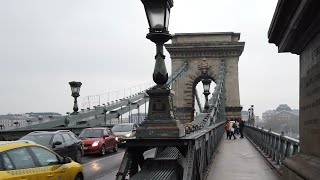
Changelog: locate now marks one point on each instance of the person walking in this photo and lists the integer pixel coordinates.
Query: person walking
(241, 126)
(232, 128)
(227, 128)
(237, 127)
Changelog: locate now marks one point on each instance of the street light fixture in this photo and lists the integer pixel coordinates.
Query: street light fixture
(206, 88)
(75, 89)
(251, 115)
(158, 14)
(160, 121)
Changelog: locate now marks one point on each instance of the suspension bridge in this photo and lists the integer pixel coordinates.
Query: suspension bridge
(199, 151)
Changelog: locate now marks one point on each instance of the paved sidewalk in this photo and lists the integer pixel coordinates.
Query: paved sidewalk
(239, 160)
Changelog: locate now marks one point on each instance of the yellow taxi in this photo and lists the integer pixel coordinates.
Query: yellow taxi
(29, 161)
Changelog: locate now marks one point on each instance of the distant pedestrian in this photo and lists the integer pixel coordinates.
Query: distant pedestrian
(241, 126)
(227, 128)
(237, 127)
(232, 128)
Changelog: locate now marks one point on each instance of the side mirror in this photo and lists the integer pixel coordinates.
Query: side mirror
(57, 143)
(66, 160)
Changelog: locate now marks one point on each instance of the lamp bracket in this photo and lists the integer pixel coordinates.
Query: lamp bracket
(160, 37)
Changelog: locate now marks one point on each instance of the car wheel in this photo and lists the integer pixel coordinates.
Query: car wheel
(79, 177)
(78, 156)
(103, 150)
(115, 149)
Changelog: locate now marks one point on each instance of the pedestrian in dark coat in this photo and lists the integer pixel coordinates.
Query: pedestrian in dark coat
(241, 126)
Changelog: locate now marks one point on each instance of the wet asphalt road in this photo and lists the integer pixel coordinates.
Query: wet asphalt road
(102, 167)
(105, 167)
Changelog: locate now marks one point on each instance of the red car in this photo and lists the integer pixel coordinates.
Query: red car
(98, 140)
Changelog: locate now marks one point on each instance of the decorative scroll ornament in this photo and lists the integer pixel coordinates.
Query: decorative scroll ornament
(204, 66)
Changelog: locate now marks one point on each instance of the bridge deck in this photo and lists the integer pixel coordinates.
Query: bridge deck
(239, 160)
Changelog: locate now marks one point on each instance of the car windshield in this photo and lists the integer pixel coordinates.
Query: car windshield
(91, 133)
(121, 128)
(43, 139)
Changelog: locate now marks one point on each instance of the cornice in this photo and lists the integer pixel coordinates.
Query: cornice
(295, 23)
(208, 50)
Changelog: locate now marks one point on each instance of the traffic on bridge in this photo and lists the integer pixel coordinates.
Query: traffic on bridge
(183, 133)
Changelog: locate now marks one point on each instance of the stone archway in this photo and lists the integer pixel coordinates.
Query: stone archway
(203, 53)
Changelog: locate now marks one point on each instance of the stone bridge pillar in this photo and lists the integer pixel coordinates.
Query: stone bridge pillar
(295, 28)
(203, 53)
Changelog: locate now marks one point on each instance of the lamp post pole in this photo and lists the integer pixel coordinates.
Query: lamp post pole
(105, 114)
(249, 116)
(252, 115)
(75, 89)
(129, 105)
(160, 122)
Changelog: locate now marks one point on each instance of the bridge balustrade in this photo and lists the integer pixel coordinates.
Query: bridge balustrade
(276, 147)
(186, 158)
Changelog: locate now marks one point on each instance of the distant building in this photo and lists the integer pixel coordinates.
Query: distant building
(282, 112)
(245, 116)
(282, 120)
(15, 120)
(11, 120)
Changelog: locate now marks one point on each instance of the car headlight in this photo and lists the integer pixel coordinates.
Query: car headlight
(95, 144)
(117, 139)
(128, 135)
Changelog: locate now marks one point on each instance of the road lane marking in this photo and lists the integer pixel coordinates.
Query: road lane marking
(118, 154)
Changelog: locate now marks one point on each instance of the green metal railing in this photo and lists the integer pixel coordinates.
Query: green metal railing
(276, 147)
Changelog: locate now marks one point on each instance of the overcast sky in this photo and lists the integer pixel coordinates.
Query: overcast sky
(46, 44)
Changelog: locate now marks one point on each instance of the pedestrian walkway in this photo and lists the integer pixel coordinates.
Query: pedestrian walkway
(240, 160)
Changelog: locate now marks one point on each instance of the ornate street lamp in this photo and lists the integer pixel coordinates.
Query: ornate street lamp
(158, 14)
(160, 121)
(75, 89)
(251, 115)
(206, 91)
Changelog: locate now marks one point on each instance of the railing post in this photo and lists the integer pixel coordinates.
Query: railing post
(288, 149)
(277, 155)
(274, 147)
(295, 149)
(270, 143)
(282, 148)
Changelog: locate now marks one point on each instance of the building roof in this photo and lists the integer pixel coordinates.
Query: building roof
(283, 107)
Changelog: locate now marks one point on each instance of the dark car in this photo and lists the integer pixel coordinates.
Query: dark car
(63, 142)
(98, 140)
(124, 131)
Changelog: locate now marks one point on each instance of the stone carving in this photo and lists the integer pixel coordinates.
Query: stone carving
(204, 67)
